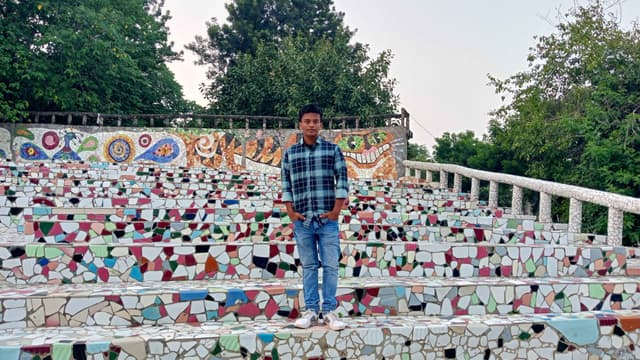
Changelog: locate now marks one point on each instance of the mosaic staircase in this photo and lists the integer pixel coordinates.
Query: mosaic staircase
(131, 262)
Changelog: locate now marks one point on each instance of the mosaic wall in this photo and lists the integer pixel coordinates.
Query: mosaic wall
(5, 141)
(372, 153)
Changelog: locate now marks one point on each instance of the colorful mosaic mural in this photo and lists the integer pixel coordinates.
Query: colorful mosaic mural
(374, 153)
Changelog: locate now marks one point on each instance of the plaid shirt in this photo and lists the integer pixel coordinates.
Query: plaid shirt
(313, 177)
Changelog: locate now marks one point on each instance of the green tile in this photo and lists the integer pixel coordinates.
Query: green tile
(230, 342)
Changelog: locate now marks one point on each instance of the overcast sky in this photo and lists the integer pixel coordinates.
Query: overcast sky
(443, 50)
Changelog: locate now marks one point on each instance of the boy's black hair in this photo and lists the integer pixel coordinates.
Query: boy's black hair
(309, 108)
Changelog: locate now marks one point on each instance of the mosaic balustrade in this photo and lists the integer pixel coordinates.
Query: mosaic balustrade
(199, 232)
(588, 335)
(245, 300)
(40, 263)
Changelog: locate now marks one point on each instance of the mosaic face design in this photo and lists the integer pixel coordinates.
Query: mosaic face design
(369, 154)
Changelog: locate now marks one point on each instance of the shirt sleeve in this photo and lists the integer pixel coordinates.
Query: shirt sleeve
(285, 175)
(340, 169)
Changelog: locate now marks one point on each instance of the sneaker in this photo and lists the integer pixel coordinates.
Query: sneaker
(334, 322)
(307, 319)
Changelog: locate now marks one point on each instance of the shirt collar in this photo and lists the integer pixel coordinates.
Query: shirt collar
(318, 140)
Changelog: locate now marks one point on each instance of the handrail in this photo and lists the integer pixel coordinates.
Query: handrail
(621, 202)
(616, 204)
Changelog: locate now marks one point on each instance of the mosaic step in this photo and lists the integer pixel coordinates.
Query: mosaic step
(117, 174)
(603, 335)
(231, 178)
(121, 186)
(222, 199)
(273, 215)
(112, 172)
(45, 263)
(203, 191)
(206, 232)
(89, 187)
(160, 303)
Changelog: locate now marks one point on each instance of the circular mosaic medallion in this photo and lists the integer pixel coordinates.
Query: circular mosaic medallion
(144, 140)
(50, 140)
(119, 149)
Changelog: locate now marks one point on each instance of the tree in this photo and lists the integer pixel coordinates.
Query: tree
(416, 152)
(275, 81)
(275, 55)
(91, 55)
(251, 23)
(573, 115)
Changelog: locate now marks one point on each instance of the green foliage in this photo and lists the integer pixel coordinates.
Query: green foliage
(417, 152)
(276, 55)
(251, 23)
(464, 149)
(91, 55)
(573, 115)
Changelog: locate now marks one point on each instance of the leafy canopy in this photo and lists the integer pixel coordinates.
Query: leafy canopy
(90, 55)
(273, 56)
(572, 116)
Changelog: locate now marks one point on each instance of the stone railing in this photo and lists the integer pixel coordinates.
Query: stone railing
(209, 120)
(617, 204)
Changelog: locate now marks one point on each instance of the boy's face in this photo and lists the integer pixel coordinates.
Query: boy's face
(310, 124)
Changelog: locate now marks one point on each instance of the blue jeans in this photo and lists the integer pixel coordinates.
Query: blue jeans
(312, 240)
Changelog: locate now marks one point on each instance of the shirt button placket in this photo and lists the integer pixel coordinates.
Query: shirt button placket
(310, 195)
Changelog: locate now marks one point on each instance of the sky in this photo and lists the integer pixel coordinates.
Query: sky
(443, 50)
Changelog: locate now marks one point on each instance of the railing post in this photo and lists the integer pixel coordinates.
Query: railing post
(544, 214)
(457, 183)
(53, 118)
(264, 124)
(575, 216)
(428, 177)
(614, 227)
(407, 171)
(69, 117)
(475, 190)
(84, 119)
(493, 194)
(516, 200)
(37, 118)
(444, 180)
(357, 122)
